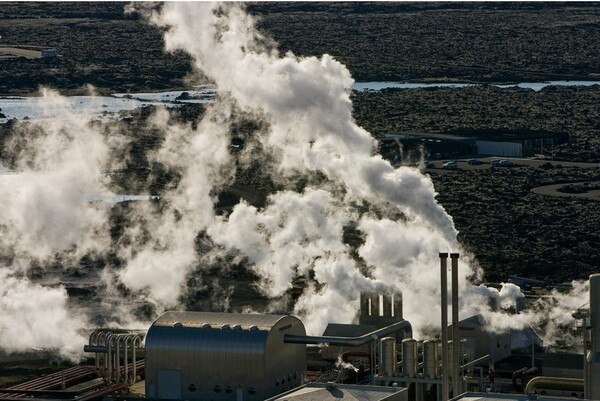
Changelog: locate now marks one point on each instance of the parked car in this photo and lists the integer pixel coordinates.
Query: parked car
(505, 163)
(428, 164)
(496, 162)
(474, 162)
(451, 165)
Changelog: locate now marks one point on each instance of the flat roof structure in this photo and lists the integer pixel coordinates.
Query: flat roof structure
(342, 392)
(505, 397)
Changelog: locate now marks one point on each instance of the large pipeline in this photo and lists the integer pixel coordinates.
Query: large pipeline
(113, 355)
(403, 325)
(557, 383)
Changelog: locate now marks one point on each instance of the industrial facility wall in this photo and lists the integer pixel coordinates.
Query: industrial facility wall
(194, 363)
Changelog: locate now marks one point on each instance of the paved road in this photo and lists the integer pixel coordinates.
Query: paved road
(552, 190)
(463, 165)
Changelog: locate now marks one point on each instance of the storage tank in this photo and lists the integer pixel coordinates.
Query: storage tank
(409, 357)
(430, 359)
(388, 360)
(222, 356)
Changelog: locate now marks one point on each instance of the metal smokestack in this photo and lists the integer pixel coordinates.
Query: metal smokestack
(444, 291)
(455, 340)
(594, 368)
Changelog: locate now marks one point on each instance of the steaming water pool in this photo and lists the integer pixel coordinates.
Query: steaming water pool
(106, 106)
(20, 107)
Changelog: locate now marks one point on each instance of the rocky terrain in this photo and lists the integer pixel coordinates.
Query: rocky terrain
(500, 220)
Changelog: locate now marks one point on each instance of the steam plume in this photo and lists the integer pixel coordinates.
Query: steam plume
(295, 240)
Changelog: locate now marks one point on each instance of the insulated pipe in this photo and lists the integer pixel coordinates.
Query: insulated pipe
(108, 348)
(455, 340)
(121, 340)
(103, 349)
(136, 342)
(444, 292)
(404, 325)
(559, 383)
(109, 359)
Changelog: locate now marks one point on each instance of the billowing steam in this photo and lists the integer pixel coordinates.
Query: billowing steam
(329, 180)
(340, 364)
(306, 104)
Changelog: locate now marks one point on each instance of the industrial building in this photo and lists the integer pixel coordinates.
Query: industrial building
(519, 144)
(410, 146)
(226, 355)
(199, 356)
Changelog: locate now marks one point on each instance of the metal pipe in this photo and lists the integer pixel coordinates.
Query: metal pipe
(137, 341)
(455, 341)
(404, 325)
(562, 383)
(586, 390)
(101, 349)
(476, 361)
(444, 303)
(109, 357)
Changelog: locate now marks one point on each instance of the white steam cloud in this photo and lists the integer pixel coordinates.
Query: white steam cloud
(306, 103)
(295, 242)
(36, 316)
(46, 214)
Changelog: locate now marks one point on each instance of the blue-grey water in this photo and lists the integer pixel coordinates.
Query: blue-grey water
(536, 86)
(104, 107)
(32, 107)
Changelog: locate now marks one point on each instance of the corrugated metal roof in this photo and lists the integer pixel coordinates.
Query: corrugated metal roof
(216, 320)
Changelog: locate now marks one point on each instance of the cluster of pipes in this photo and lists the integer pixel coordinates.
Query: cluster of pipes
(116, 355)
(424, 375)
(436, 357)
(591, 358)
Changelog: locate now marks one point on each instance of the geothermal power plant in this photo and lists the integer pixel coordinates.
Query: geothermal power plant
(207, 356)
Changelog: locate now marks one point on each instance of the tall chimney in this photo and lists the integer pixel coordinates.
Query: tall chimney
(387, 305)
(365, 304)
(398, 305)
(594, 371)
(444, 291)
(455, 340)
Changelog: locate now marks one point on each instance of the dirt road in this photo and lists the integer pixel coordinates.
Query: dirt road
(13, 52)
